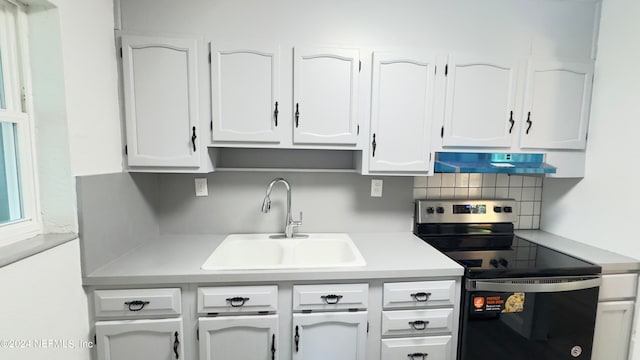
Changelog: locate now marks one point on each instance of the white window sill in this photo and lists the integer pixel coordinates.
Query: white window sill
(18, 250)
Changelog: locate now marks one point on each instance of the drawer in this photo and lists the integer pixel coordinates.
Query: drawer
(417, 322)
(419, 294)
(618, 286)
(424, 348)
(132, 303)
(237, 299)
(330, 297)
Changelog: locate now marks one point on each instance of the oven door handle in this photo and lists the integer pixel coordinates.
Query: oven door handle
(536, 285)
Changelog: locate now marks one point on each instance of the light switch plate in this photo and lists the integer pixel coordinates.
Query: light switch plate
(201, 187)
(376, 188)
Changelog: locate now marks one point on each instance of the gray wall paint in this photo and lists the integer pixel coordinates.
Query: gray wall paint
(116, 213)
(334, 202)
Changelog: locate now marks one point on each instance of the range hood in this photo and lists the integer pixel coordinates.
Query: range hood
(504, 163)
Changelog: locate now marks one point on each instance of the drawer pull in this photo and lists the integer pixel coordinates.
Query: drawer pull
(136, 305)
(421, 296)
(417, 356)
(331, 299)
(419, 324)
(237, 301)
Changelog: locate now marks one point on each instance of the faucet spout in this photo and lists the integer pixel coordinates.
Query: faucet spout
(290, 224)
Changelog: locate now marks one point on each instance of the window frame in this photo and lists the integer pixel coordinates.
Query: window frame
(20, 111)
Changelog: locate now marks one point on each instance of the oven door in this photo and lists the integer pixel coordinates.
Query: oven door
(529, 318)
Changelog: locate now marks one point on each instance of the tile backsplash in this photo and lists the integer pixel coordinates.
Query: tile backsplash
(526, 190)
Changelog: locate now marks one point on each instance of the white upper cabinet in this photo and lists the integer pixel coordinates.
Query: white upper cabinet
(480, 101)
(325, 96)
(244, 89)
(401, 112)
(557, 105)
(161, 101)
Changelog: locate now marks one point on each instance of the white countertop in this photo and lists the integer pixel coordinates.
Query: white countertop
(610, 262)
(176, 259)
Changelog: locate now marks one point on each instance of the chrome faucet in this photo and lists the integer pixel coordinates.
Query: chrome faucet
(290, 224)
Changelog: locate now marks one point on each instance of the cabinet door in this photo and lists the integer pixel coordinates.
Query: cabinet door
(161, 101)
(401, 112)
(557, 105)
(335, 336)
(140, 339)
(325, 96)
(239, 338)
(613, 330)
(244, 89)
(480, 101)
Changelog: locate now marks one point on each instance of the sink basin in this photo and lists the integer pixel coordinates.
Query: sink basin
(260, 251)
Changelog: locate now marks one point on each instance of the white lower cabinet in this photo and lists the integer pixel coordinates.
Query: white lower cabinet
(613, 330)
(423, 348)
(140, 339)
(239, 337)
(335, 336)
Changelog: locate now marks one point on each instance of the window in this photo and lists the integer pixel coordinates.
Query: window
(19, 208)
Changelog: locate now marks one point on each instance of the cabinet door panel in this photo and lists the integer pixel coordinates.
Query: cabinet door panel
(613, 330)
(244, 83)
(139, 339)
(161, 101)
(325, 96)
(481, 95)
(336, 336)
(557, 105)
(239, 338)
(401, 112)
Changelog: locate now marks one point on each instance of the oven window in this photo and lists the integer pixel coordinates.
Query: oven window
(528, 326)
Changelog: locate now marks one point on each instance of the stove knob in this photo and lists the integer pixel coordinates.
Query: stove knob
(494, 263)
(508, 209)
(429, 210)
(497, 209)
(503, 262)
(440, 210)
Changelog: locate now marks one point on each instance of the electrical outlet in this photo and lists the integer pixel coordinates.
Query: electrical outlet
(201, 187)
(376, 188)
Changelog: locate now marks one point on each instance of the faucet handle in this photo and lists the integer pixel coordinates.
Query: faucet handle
(299, 221)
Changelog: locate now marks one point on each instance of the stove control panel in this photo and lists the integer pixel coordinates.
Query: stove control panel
(465, 211)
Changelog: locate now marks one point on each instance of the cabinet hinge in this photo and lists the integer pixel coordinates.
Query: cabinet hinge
(198, 334)
(126, 150)
(367, 327)
(95, 339)
(306, 311)
(212, 314)
(429, 157)
(359, 66)
(446, 70)
(586, 137)
(358, 130)
(352, 310)
(435, 71)
(442, 132)
(209, 57)
(211, 126)
(120, 53)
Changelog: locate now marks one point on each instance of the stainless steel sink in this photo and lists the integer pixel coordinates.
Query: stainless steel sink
(262, 251)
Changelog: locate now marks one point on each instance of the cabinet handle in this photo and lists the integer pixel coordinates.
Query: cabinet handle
(136, 305)
(331, 299)
(511, 121)
(176, 343)
(275, 114)
(296, 338)
(273, 347)
(297, 114)
(529, 122)
(237, 301)
(373, 145)
(421, 296)
(193, 139)
(417, 356)
(419, 324)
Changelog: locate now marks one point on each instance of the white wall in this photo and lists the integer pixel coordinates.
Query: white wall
(601, 209)
(42, 298)
(90, 85)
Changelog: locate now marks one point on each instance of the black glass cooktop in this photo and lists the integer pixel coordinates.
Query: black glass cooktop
(523, 259)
